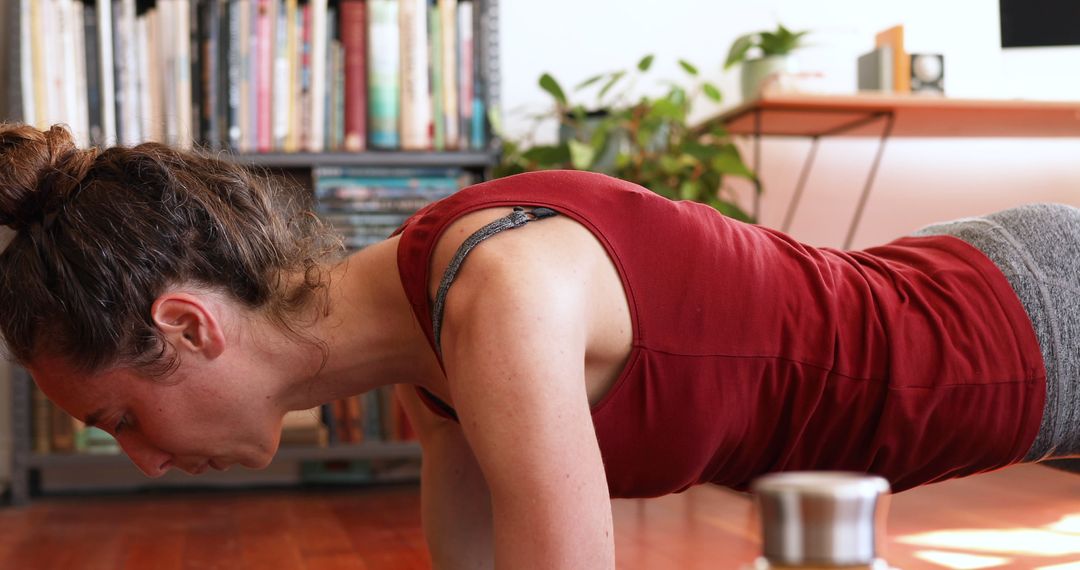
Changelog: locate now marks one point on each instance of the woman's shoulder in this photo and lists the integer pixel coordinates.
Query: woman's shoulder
(557, 243)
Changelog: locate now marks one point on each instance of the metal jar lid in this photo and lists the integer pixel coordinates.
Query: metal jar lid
(822, 518)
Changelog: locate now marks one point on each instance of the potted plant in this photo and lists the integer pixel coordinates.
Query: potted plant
(763, 55)
(644, 139)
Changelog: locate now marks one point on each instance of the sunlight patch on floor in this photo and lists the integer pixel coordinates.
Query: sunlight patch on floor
(972, 549)
(960, 561)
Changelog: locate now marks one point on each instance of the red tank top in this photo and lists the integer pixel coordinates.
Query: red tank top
(754, 353)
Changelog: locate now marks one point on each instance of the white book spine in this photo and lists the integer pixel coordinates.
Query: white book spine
(319, 47)
(415, 81)
(142, 57)
(281, 86)
(26, 64)
(50, 59)
(184, 137)
(126, 47)
(82, 113)
(448, 14)
(105, 68)
(243, 45)
(166, 56)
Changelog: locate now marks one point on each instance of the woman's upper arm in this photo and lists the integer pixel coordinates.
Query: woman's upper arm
(514, 347)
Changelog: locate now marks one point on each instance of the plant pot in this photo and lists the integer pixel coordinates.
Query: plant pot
(618, 139)
(760, 73)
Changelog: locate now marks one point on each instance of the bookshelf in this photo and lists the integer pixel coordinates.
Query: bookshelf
(300, 165)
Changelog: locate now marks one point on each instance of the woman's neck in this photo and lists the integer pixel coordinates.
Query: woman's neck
(370, 333)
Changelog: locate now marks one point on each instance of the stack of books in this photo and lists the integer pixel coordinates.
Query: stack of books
(365, 205)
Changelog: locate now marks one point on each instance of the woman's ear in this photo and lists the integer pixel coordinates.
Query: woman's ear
(189, 324)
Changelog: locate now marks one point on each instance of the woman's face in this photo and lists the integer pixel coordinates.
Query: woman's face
(206, 416)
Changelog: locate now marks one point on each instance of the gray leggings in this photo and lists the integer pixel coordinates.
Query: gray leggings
(1037, 247)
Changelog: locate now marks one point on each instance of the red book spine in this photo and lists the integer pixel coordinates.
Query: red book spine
(354, 40)
(263, 83)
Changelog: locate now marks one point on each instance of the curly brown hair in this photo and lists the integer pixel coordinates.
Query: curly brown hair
(100, 234)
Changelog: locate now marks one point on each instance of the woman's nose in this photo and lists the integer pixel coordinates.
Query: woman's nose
(152, 461)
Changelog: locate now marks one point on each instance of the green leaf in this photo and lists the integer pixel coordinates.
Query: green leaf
(739, 48)
(669, 164)
(548, 155)
(689, 67)
(549, 84)
(615, 77)
(689, 189)
(589, 81)
(581, 155)
(712, 92)
(729, 162)
(665, 109)
(495, 120)
(645, 63)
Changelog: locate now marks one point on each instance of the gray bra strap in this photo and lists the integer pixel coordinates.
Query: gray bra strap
(519, 217)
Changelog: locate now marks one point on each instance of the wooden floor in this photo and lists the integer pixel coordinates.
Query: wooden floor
(1021, 517)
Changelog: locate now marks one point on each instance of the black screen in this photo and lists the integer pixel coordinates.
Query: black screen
(1030, 23)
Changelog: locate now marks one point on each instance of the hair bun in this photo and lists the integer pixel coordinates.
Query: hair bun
(27, 158)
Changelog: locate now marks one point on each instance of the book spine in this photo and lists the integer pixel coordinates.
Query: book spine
(416, 80)
(144, 64)
(264, 78)
(293, 54)
(384, 73)
(39, 59)
(466, 68)
(182, 74)
(234, 54)
(104, 68)
(166, 57)
(298, 55)
(302, 120)
(10, 57)
(281, 90)
(244, 47)
(221, 80)
(449, 25)
(93, 73)
(52, 71)
(333, 80)
(78, 56)
(318, 52)
(337, 127)
(193, 90)
(435, 99)
(354, 40)
(209, 43)
(25, 94)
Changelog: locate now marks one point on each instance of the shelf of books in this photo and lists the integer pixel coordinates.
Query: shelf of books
(259, 76)
(378, 106)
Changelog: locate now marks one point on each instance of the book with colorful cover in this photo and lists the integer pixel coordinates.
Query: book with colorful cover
(384, 73)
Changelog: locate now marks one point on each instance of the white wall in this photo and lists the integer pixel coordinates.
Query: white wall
(920, 180)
